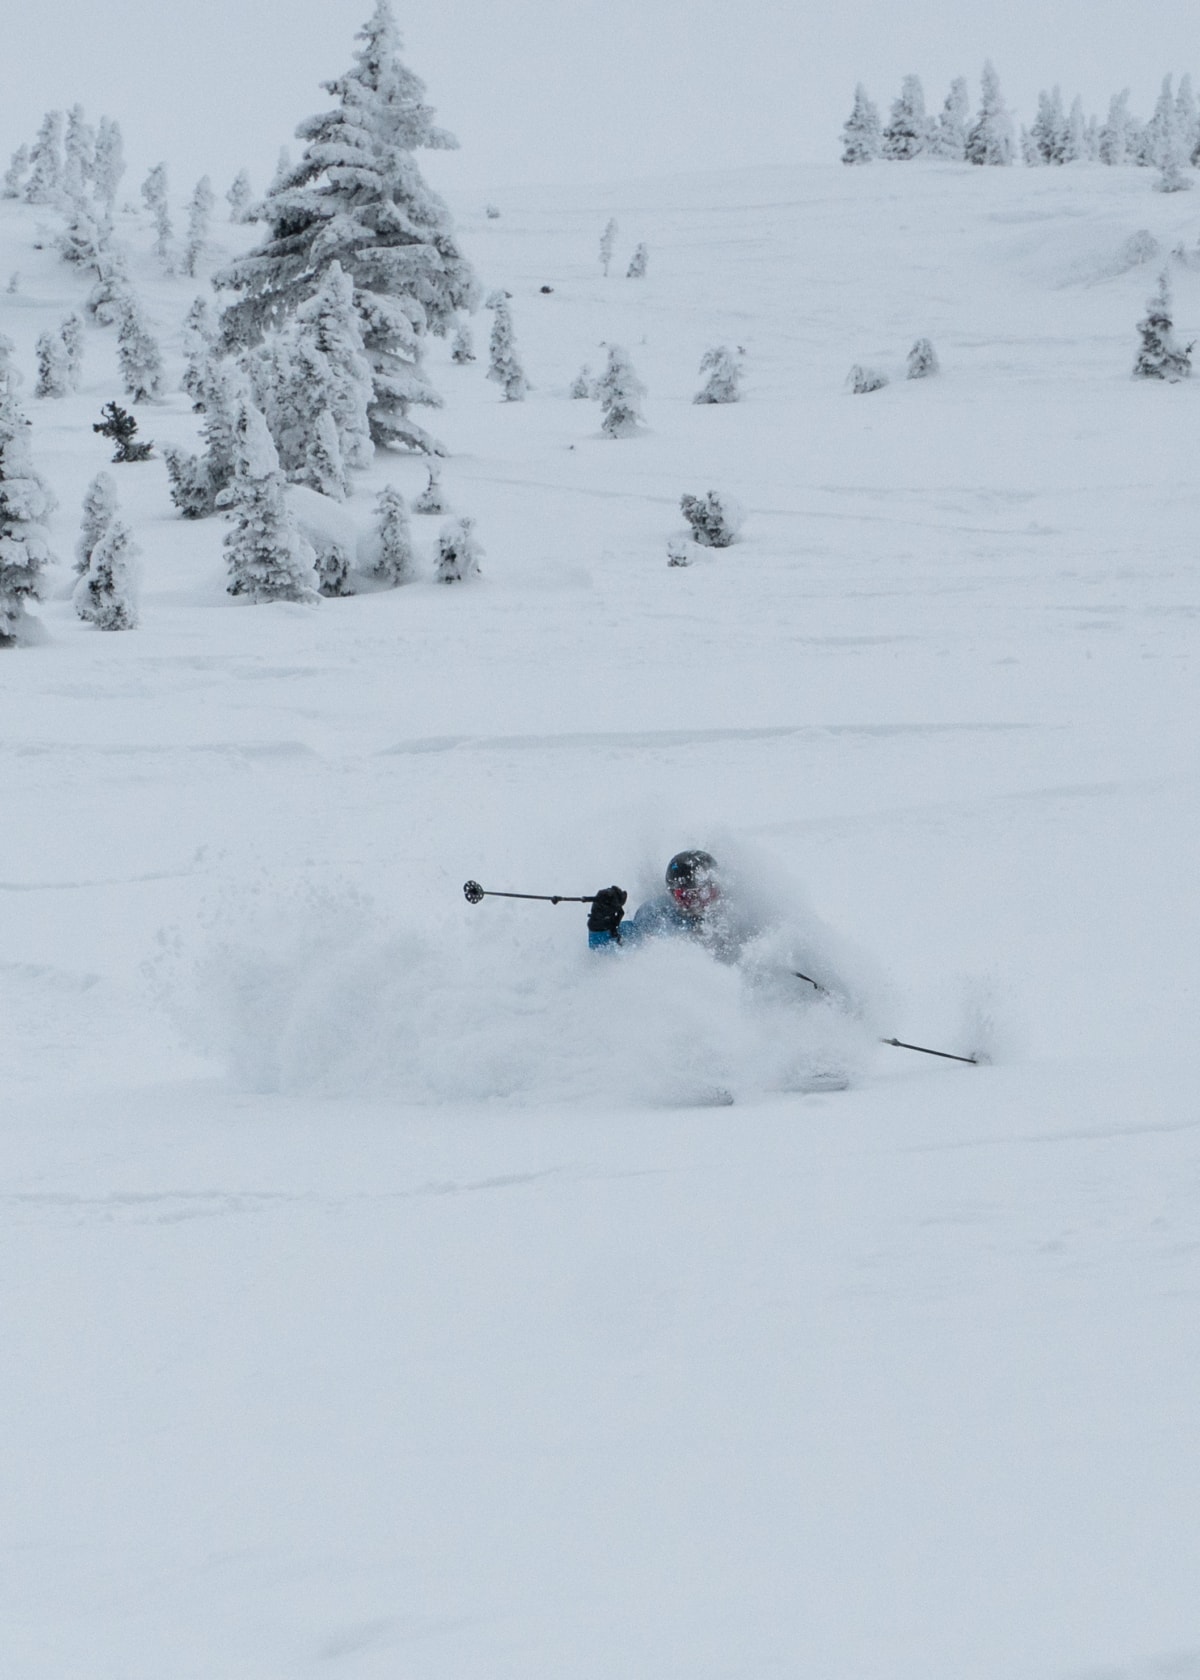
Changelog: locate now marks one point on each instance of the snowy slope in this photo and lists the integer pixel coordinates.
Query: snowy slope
(368, 1312)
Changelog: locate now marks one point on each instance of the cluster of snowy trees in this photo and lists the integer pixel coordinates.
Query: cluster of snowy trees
(1168, 141)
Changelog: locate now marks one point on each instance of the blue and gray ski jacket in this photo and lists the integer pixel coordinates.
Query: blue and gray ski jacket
(657, 916)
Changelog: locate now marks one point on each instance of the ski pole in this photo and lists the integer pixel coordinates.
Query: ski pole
(474, 893)
(948, 1055)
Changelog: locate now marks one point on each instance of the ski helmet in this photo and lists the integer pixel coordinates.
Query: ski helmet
(692, 880)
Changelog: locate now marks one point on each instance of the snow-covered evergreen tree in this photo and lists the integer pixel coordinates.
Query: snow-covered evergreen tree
(324, 470)
(121, 427)
(197, 481)
(25, 504)
(394, 560)
(433, 498)
(86, 234)
(862, 135)
(330, 322)
(155, 196)
(357, 197)
(45, 161)
(458, 551)
(907, 130)
(715, 518)
(200, 209)
(1187, 117)
(620, 392)
(607, 240)
(922, 360)
(72, 332)
(109, 163)
(79, 153)
(991, 139)
(198, 340)
(106, 594)
(863, 380)
(138, 355)
(948, 135)
(1114, 135)
(99, 510)
(1174, 156)
(1160, 356)
(14, 175)
(240, 197)
(637, 263)
(10, 376)
(1049, 128)
(724, 369)
(1075, 146)
(1157, 132)
(505, 363)
(583, 385)
(462, 347)
(107, 298)
(52, 374)
(267, 558)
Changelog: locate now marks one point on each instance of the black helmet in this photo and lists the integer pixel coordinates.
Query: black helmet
(692, 882)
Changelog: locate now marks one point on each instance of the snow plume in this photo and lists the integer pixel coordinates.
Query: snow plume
(302, 990)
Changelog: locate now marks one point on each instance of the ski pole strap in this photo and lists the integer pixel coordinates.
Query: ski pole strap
(924, 1050)
(474, 893)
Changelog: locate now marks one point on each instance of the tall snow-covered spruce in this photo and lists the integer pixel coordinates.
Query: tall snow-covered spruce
(620, 392)
(862, 135)
(25, 502)
(991, 139)
(268, 559)
(357, 197)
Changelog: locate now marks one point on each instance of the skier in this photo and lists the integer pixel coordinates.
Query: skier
(694, 905)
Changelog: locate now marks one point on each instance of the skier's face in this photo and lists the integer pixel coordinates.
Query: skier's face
(698, 899)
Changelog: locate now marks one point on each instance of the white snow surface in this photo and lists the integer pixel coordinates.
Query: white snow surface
(378, 1302)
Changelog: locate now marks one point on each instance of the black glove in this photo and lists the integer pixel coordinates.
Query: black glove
(608, 910)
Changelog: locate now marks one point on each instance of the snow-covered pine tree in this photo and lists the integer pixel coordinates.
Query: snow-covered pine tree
(267, 558)
(1049, 128)
(990, 139)
(45, 161)
(109, 163)
(862, 135)
(620, 391)
(240, 197)
(323, 469)
(724, 369)
(1174, 156)
(72, 332)
(25, 503)
(10, 376)
(107, 298)
(1157, 131)
(433, 498)
(198, 340)
(357, 197)
(79, 153)
(458, 551)
(121, 427)
(715, 518)
(607, 240)
(330, 322)
(394, 561)
(106, 594)
(583, 385)
(86, 234)
(462, 347)
(196, 481)
(637, 262)
(200, 209)
(1159, 355)
(505, 363)
(922, 360)
(1075, 146)
(99, 510)
(1187, 117)
(52, 375)
(138, 355)
(907, 130)
(1114, 134)
(862, 380)
(948, 135)
(155, 197)
(14, 175)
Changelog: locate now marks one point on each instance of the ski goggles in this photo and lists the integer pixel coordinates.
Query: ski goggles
(697, 897)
